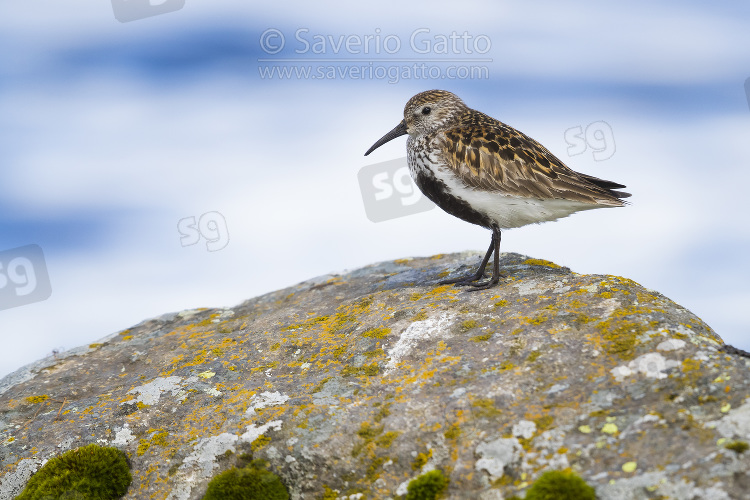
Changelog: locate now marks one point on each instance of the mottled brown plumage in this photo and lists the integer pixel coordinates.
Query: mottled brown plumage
(488, 173)
(490, 155)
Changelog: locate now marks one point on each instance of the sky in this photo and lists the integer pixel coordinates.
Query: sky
(162, 156)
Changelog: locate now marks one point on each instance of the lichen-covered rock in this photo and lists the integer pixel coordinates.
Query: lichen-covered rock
(352, 385)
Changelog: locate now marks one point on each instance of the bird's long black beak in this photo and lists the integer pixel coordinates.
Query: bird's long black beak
(396, 132)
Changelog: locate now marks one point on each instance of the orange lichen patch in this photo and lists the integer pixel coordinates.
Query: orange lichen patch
(689, 365)
(271, 412)
(37, 399)
(370, 370)
(441, 292)
(198, 359)
(543, 422)
(260, 442)
(484, 408)
(451, 360)
(427, 375)
(453, 432)
(621, 331)
(541, 262)
(377, 333)
(420, 316)
(537, 320)
(575, 304)
(200, 335)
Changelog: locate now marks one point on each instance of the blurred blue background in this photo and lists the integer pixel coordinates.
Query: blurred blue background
(114, 135)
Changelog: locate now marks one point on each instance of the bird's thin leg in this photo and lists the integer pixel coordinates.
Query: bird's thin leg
(480, 272)
(495, 267)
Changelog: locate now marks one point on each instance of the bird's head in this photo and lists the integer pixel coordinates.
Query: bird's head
(424, 113)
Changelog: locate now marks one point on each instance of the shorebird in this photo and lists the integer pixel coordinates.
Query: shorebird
(488, 173)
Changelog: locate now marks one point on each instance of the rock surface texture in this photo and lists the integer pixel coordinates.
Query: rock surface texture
(351, 385)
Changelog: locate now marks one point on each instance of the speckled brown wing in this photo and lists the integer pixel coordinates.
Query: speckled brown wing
(491, 156)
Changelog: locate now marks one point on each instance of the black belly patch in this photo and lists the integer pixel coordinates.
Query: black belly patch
(438, 193)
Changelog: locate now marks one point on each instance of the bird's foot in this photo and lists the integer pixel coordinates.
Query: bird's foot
(476, 281)
(463, 280)
(484, 285)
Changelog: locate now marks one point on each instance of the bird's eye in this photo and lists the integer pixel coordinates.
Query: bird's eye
(426, 110)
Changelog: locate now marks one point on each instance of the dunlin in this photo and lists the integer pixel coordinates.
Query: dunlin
(488, 173)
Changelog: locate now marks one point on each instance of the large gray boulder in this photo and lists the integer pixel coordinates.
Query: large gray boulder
(357, 383)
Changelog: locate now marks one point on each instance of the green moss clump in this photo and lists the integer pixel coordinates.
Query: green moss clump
(92, 472)
(558, 485)
(428, 486)
(737, 446)
(253, 482)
